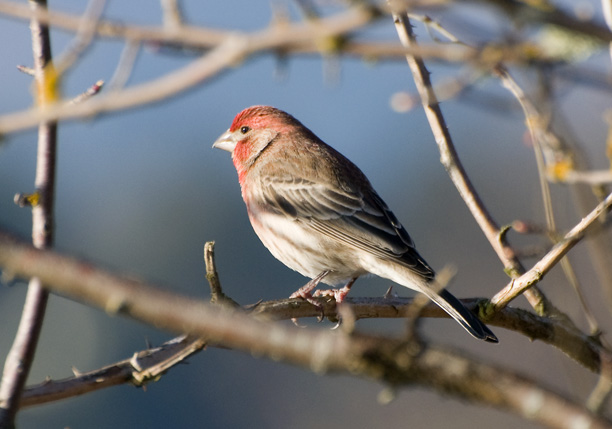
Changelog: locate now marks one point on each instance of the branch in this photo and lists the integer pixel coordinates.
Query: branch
(450, 160)
(226, 48)
(448, 156)
(20, 357)
(143, 367)
(234, 48)
(549, 14)
(546, 145)
(216, 292)
(206, 38)
(76, 279)
(544, 265)
(584, 349)
(200, 38)
(393, 361)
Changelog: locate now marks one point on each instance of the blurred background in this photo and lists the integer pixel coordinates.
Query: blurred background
(140, 191)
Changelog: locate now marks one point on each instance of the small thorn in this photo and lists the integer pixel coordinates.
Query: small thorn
(389, 293)
(26, 70)
(251, 307)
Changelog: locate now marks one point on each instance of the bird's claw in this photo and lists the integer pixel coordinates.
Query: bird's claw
(307, 296)
(338, 324)
(337, 294)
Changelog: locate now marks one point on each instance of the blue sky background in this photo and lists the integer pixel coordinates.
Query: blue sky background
(141, 191)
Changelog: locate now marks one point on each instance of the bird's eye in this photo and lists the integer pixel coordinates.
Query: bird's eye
(245, 130)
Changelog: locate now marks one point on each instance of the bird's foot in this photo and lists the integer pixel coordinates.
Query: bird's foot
(337, 294)
(305, 292)
(307, 296)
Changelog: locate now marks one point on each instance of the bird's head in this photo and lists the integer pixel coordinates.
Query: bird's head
(251, 133)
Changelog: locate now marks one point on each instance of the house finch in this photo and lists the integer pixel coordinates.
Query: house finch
(319, 215)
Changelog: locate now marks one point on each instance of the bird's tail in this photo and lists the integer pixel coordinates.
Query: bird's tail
(457, 311)
(407, 276)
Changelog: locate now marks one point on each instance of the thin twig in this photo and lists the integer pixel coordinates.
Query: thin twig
(420, 302)
(173, 17)
(233, 49)
(144, 366)
(600, 394)
(539, 133)
(450, 159)
(20, 357)
(216, 292)
(544, 265)
(90, 92)
(85, 34)
(593, 178)
(26, 70)
(191, 35)
(124, 68)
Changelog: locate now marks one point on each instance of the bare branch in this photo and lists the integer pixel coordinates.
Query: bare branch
(90, 92)
(147, 365)
(585, 350)
(541, 138)
(233, 49)
(80, 281)
(593, 178)
(216, 292)
(386, 359)
(26, 70)
(173, 18)
(20, 357)
(544, 265)
(85, 34)
(450, 160)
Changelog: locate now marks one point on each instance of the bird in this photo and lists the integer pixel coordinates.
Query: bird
(318, 214)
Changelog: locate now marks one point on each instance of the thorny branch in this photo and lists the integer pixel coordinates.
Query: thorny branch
(143, 367)
(393, 361)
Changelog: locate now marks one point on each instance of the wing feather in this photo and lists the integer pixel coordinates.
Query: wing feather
(355, 217)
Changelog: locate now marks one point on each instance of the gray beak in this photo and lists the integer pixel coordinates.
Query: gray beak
(225, 142)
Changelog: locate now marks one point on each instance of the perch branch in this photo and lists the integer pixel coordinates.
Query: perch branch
(386, 359)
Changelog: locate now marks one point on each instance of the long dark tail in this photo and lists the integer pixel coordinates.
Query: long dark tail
(465, 317)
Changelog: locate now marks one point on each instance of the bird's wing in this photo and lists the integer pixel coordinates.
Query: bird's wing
(358, 218)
